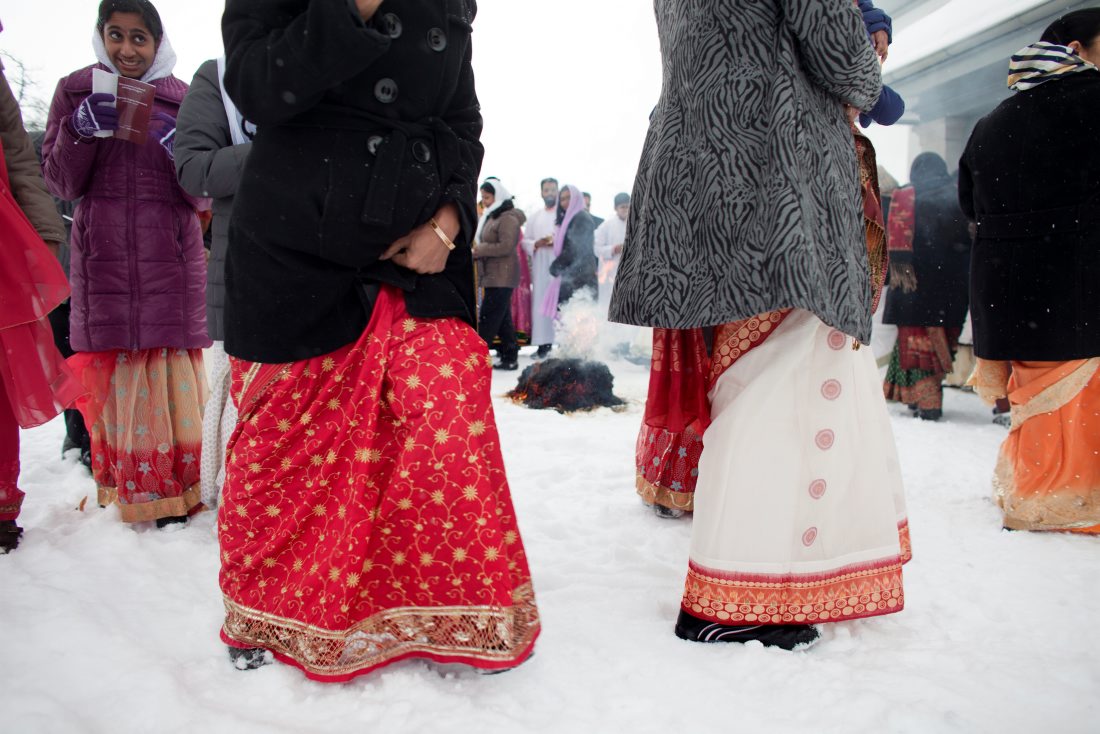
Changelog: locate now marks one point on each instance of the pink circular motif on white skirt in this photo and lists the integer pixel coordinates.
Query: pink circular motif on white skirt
(817, 489)
(831, 389)
(825, 439)
(837, 339)
(809, 537)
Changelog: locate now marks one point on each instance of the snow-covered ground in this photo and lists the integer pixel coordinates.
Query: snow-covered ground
(110, 628)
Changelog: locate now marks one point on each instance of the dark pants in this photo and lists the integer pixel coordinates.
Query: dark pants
(75, 430)
(496, 320)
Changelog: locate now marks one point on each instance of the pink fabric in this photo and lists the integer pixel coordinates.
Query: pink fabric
(11, 497)
(521, 296)
(576, 204)
(36, 380)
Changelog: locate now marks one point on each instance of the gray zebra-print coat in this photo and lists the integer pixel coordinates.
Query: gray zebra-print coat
(747, 197)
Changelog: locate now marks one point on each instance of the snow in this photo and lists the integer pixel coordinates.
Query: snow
(110, 628)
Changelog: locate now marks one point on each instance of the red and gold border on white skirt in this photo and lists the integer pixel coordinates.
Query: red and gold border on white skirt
(854, 592)
(489, 638)
(860, 590)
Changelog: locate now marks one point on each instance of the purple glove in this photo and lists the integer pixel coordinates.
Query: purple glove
(94, 114)
(164, 132)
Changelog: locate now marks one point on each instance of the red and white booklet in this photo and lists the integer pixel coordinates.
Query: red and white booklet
(134, 102)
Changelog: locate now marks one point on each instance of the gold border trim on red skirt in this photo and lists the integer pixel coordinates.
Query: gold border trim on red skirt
(148, 511)
(655, 494)
(492, 635)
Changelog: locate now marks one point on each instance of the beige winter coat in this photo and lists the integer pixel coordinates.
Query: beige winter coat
(26, 175)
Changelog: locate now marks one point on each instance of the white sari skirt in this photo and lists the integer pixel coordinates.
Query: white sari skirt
(799, 510)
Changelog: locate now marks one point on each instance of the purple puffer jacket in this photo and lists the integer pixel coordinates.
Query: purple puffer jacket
(138, 269)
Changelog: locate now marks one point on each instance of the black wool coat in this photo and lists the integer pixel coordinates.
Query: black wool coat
(364, 130)
(577, 265)
(941, 260)
(1030, 179)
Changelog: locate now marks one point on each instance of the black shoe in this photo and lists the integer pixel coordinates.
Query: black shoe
(86, 458)
(931, 414)
(784, 636)
(9, 536)
(170, 522)
(913, 407)
(668, 513)
(506, 364)
(1004, 420)
(250, 658)
(542, 352)
(68, 445)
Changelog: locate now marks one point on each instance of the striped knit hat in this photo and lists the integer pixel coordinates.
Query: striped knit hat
(1043, 62)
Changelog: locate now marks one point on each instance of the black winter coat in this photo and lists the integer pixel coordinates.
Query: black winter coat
(364, 131)
(941, 260)
(1030, 178)
(577, 264)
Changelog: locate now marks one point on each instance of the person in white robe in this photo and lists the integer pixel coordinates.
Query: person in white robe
(610, 237)
(538, 243)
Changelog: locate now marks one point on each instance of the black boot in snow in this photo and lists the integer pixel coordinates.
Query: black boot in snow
(172, 523)
(784, 636)
(931, 414)
(9, 536)
(250, 658)
(667, 513)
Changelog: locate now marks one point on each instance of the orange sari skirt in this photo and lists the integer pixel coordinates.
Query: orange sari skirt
(1048, 473)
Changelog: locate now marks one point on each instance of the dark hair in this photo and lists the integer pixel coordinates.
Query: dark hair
(927, 166)
(489, 187)
(1082, 26)
(144, 8)
(586, 195)
(548, 180)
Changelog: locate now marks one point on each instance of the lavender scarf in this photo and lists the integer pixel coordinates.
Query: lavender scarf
(576, 205)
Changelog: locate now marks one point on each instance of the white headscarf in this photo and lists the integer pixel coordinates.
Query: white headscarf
(163, 63)
(502, 195)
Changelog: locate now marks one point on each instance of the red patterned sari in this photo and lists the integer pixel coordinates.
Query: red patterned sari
(366, 515)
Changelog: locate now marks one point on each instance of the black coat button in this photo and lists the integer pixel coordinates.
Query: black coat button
(385, 91)
(391, 24)
(372, 143)
(437, 39)
(421, 152)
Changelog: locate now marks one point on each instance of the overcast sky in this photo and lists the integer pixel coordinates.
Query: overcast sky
(566, 87)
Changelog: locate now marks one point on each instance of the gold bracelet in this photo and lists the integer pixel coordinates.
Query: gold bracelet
(442, 235)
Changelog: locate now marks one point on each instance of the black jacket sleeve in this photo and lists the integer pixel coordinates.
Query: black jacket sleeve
(283, 55)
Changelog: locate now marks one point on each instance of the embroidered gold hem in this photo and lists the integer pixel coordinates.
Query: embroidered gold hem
(655, 494)
(1051, 512)
(483, 633)
(860, 591)
(155, 510)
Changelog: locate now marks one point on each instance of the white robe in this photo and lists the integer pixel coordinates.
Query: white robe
(540, 223)
(609, 234)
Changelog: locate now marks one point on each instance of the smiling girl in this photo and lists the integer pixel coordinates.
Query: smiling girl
(138, 274)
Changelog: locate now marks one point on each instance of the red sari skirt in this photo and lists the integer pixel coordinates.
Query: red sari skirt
(366, 516)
